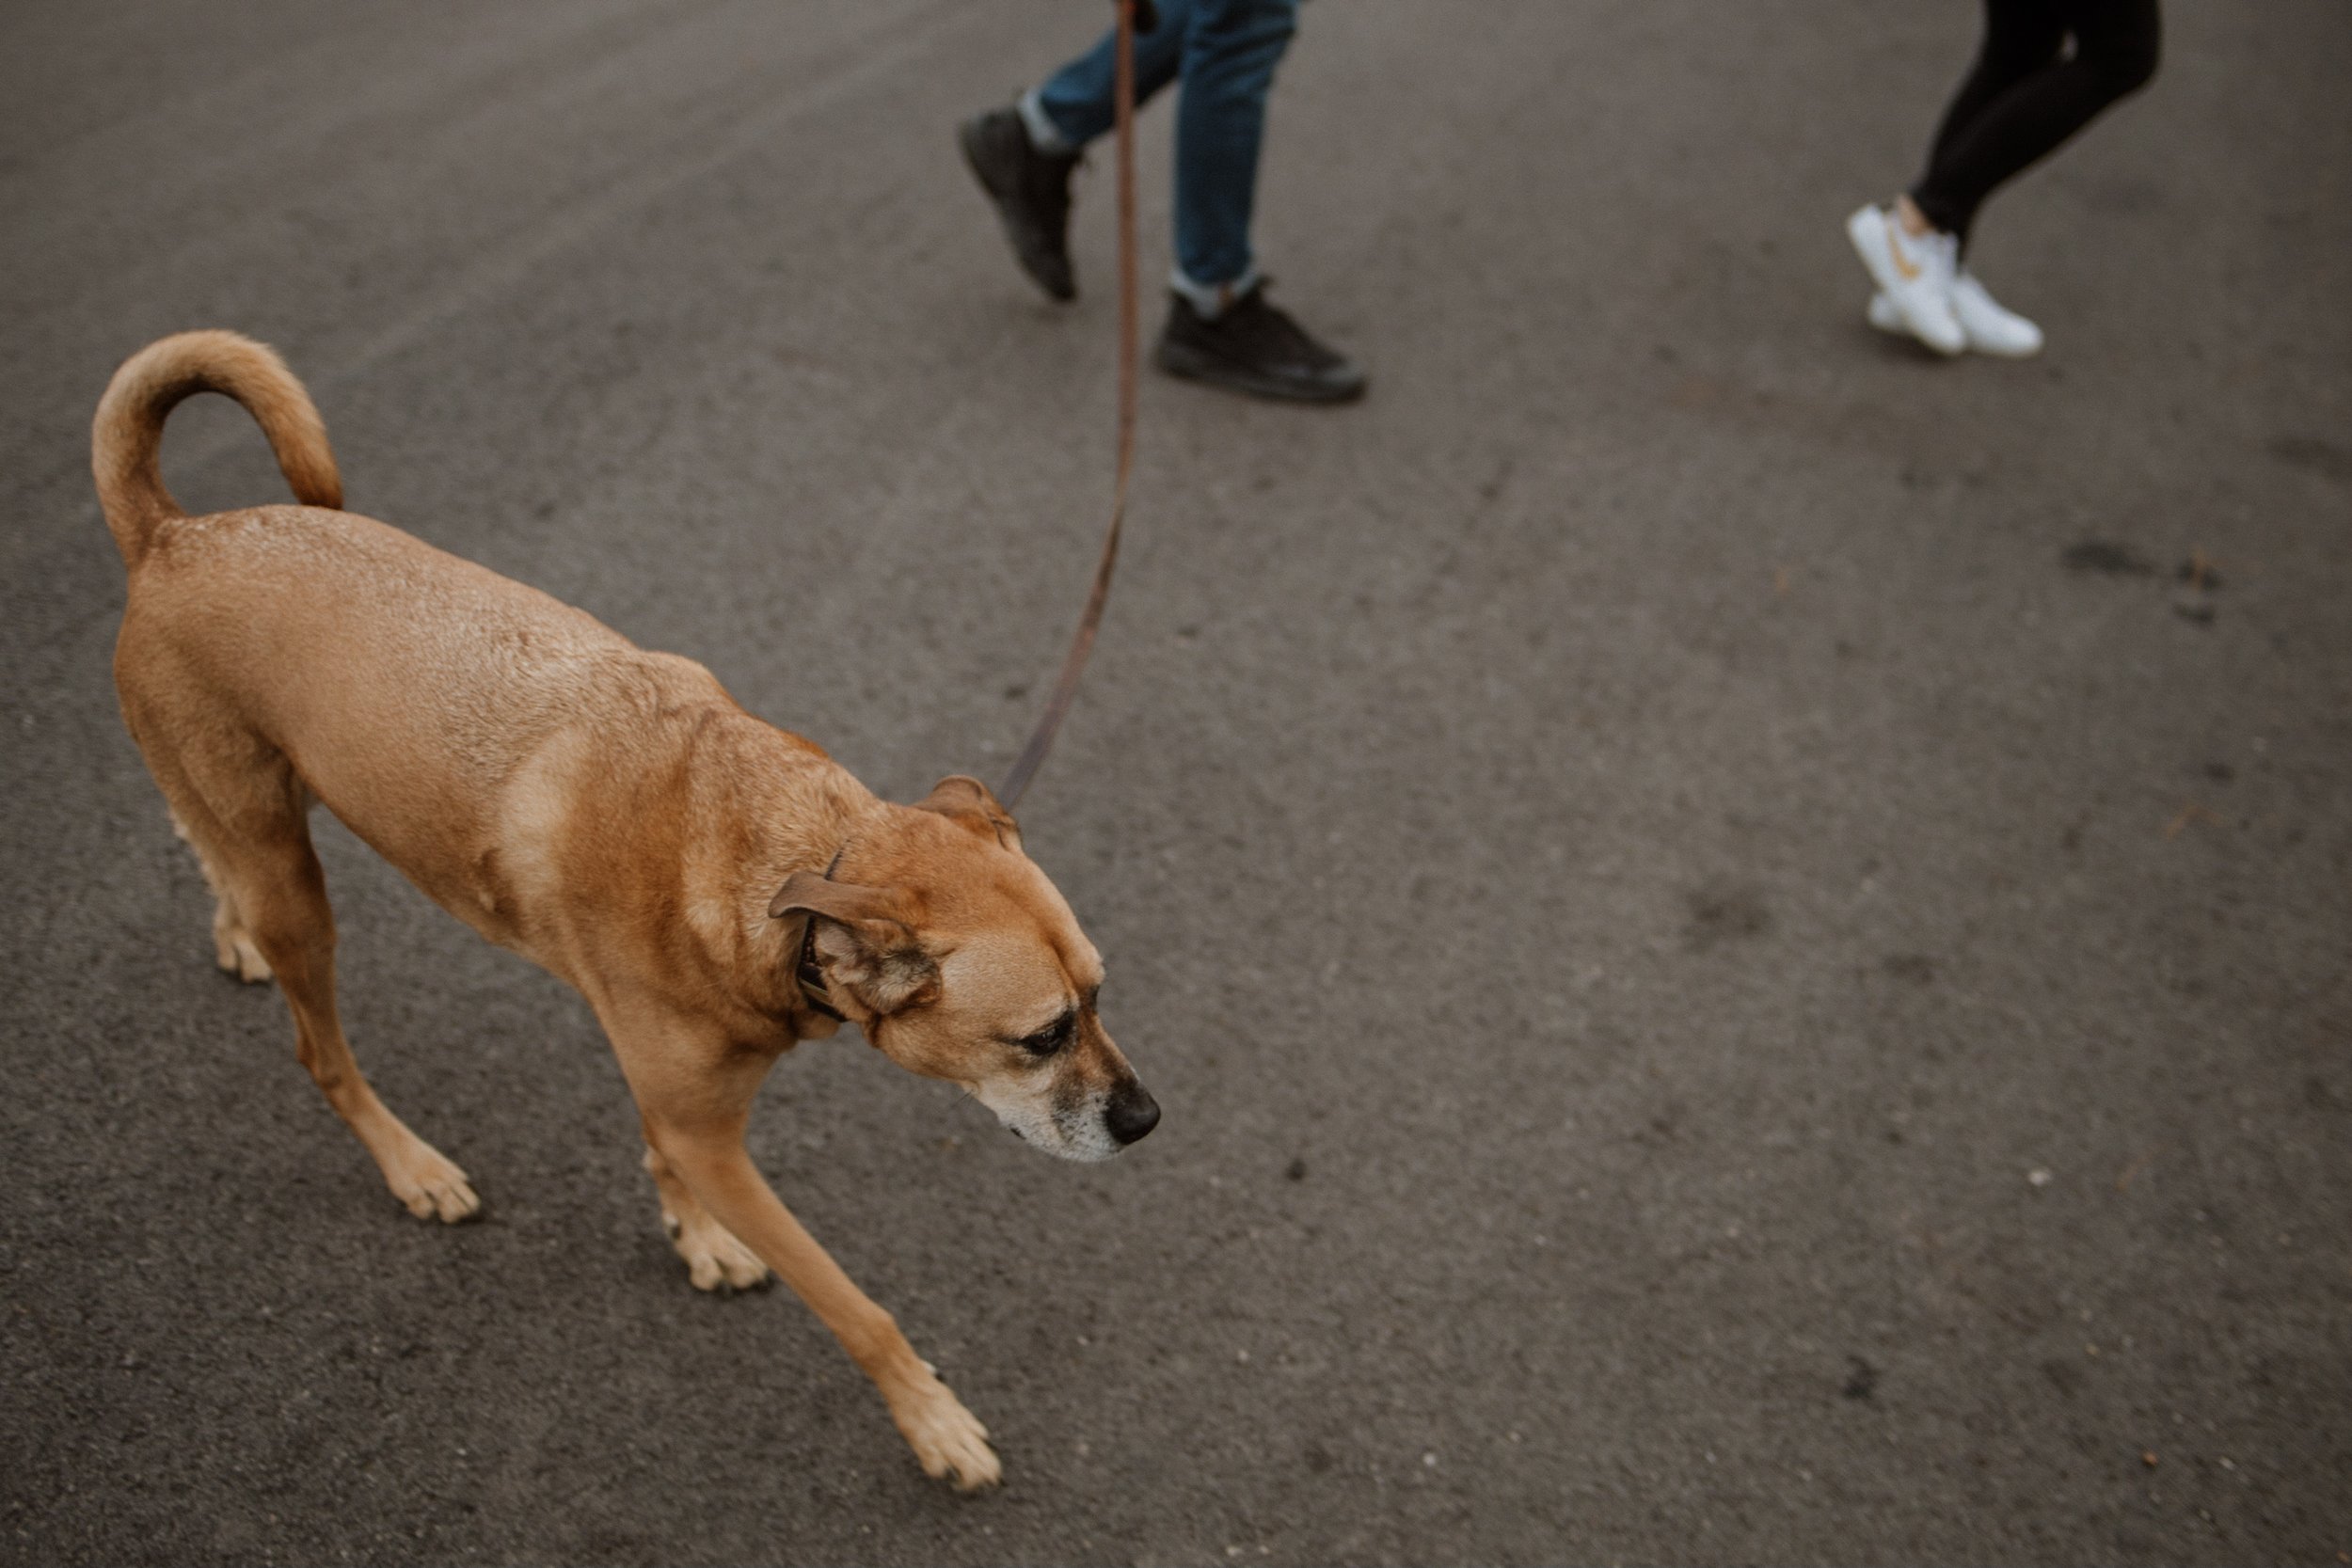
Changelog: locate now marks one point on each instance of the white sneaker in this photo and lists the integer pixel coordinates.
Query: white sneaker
(1914, 271)
(1989, 326)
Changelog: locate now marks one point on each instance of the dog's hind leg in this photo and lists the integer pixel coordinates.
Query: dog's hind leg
(237, 802)
(232, 943)
(280, 893)
(715, 1260)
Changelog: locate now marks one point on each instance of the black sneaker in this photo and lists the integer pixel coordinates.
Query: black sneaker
(1031, 193)
(1254, 348)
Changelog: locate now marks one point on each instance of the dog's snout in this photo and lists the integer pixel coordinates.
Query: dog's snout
(1131, 1114)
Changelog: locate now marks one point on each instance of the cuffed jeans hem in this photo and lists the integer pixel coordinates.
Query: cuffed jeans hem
(1044, 134)
(1211, 300)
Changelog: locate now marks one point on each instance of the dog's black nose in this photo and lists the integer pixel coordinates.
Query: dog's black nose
(1131, 1114)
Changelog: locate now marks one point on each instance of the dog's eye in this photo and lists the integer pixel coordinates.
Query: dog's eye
(1046, 1041)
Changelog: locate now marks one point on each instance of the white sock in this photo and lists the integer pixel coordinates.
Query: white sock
(1211, 300)
(1042, 135)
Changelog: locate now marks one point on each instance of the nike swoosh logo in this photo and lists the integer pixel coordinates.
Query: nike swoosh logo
(1904, 267)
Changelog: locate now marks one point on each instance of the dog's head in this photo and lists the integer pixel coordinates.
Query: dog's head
(937, 936)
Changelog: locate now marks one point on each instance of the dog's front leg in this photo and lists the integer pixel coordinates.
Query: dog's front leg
(946, 1437)
(714, 1260)
(695, 1101)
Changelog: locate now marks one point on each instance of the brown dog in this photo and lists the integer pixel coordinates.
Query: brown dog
(717, 888)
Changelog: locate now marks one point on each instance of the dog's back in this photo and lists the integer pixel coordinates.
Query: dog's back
(312, 639)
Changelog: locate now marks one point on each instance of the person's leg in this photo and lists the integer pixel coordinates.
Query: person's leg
(2119, 43)
(1231, 50)
(2021, 37)
(1913, 254)
(2115, 54)
(1221, 328)
(1074, 105)
(1022, 156)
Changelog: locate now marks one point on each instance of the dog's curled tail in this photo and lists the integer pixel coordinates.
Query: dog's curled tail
(127, 438)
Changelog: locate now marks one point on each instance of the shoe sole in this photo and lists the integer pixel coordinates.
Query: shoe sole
(1864, 229)
(1189, 364)
(997, 200)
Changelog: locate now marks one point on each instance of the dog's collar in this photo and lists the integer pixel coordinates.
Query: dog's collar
(810, 977)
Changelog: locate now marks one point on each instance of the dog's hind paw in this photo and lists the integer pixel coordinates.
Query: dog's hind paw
(947, 1439)
(715, 1260)
(236, 955)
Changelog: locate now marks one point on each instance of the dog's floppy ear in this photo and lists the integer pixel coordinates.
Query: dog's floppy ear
(967, 803)
(863, 941)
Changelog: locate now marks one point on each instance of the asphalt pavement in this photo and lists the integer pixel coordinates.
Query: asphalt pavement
(1746, 937)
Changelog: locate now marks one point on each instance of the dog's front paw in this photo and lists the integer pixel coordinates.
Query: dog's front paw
(715, 1260)
(430, 1183)
(947, 1438)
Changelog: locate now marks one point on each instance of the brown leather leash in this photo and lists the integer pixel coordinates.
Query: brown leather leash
(1082, 641)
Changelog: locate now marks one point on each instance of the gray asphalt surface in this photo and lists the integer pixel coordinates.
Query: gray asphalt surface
(1739, 970)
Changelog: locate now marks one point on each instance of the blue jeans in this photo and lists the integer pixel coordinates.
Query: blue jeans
(1225, 50)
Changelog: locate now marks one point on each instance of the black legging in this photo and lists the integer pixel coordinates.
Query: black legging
(2028, 94)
